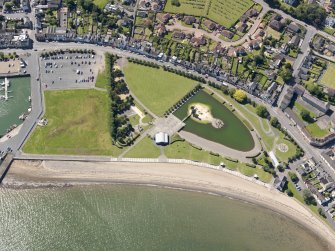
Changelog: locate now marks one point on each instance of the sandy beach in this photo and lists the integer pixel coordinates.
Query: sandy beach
(39, 173)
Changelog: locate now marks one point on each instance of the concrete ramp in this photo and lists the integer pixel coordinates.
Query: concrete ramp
(4, 166)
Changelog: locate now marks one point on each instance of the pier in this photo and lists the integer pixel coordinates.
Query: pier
(6, 85)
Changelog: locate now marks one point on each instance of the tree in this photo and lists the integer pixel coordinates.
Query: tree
(312, 14)
(259, 60)
(231, 91)
(305, 115)
(308, 197)
(240, 96)
(289, 192)
(281, 168)
(293, 176)
(321, 212)
(262, 112)
(315, 90)
(175, 3)
(8, 6)
(286, 72)
(275, 123)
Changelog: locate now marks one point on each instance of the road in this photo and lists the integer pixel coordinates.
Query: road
(16, 142)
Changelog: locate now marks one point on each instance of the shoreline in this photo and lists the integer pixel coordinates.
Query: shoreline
(44, 174)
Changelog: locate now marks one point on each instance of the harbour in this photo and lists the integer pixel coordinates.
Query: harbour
(15, 102)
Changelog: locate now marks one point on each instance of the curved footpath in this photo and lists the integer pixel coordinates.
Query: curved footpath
(39, 173)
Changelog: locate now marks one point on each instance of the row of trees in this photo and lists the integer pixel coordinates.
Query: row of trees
(71, 51)
(120, 127)
(169, 69)
(143, 62)
(183, 100)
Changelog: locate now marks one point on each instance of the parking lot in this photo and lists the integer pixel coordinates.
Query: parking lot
(69, 70)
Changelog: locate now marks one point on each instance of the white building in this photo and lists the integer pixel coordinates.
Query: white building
(162, 138)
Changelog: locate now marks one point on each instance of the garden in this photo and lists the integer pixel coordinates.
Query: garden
(328, 78)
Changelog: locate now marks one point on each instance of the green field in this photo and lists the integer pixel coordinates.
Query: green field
(101, 3)
(157, 89)
(146, 148)
(328, 78)
(316, 131)
(223, 12)
(234, 134)
(102, 79)
(78, 124)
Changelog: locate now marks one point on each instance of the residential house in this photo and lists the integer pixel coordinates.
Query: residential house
(293, 28)
(242, 28)
(318, 43)
(209, 24)
(290, 2)
(198, 41)
(178, 35)
(285, 98)
(161, 30)
(316, 103)
(189, 20)
(280, 183)
(228, 34)
(62, 17)
(295, 40)
(276, 25)
(163, 17)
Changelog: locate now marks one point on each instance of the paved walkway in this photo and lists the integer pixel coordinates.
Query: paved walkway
(221, 149)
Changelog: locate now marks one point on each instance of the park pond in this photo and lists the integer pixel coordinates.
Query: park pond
(233, 133)
(17, 103)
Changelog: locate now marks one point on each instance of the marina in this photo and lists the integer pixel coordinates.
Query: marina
(14, 102)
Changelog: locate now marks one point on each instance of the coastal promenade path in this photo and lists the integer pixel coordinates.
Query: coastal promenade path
(95, 159)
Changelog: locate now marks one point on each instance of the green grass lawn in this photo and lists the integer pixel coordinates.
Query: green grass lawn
(299, 107)
(313, 128)
(78, 124)
(299, 197)
(102, 79)
(275, 34)
(328, 78)
(146, 148)
(316, 131)
(134, 120)
(101, 3)
(184, 150)
(157, 89)
(284, 156)
(223, 12)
